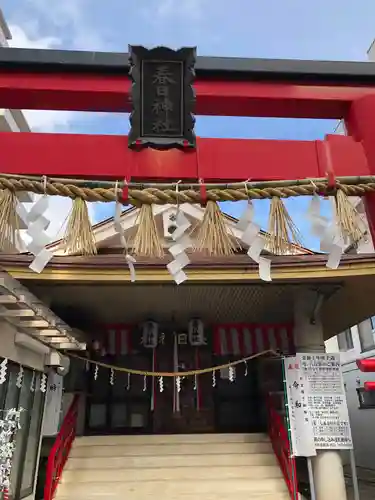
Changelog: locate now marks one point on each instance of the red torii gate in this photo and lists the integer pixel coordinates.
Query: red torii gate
(88, 81)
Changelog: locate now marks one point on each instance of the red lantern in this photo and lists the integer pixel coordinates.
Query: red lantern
(368, 366)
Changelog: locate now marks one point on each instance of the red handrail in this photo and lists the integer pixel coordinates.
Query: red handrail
(278, 433)
(60, 450)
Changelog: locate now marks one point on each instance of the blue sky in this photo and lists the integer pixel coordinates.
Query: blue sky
(323, 29)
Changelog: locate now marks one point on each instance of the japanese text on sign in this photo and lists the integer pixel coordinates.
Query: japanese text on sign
(162, 98)
(326, 400)
(317, 408)
(301, 430)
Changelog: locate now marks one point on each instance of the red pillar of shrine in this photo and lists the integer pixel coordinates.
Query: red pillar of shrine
(360, 124)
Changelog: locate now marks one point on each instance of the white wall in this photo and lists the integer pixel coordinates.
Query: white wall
(371, 52)
(10, 120)
(21, 355)
(332, 344)
(30, 359)
(362, 421)
(4, 31)
(3, 40)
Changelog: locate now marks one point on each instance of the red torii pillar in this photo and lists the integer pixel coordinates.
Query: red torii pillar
(360, 124)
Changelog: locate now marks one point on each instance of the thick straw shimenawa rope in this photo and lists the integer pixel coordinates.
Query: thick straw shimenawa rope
(282, 232)
(176, 374)
(352, 226)
(162, 196)
(146, 241)
(79, 236)
(212, 234)
(9, 222)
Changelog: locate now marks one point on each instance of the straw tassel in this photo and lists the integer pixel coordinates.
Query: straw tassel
(146, 240)
(213, 236)
(9, 223)
(79, 236)
(349, 220)
(283, 233)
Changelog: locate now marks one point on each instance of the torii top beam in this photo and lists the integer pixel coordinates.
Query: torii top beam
(96, 81)
(92, 81)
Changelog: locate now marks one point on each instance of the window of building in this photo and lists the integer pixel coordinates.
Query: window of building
(366, 399)
(27, 439)
(366, 331)
(345, 340)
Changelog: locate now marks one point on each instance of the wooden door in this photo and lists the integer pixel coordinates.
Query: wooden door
(123, 406)
(191, 409)
(239, 403)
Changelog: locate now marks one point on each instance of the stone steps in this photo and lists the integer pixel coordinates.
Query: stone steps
(176, 490)
(174, 467)
(197, 460)
(172, 473)
(124, 450)
(150, 439)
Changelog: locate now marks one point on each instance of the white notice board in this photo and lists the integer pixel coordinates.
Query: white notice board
(301, 430)
(51, 421)
(326, 400)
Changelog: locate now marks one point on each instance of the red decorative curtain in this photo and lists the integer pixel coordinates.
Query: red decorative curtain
(117, 339)
(247, 339)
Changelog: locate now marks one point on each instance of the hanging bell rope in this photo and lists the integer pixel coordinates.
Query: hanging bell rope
(145, 373)
(161, 194)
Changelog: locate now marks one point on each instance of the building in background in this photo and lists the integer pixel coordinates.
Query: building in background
(5, 34)
(356, 343)
(10, 120)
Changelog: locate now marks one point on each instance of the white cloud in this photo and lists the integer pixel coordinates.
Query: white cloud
(29, 38)
(47, 121)
(65, 18)
(59, 13)
(191, 9)
(70, 16)
(179, 22)
(58, 213)
(21, 39)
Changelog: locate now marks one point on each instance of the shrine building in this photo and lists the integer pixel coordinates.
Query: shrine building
(235, 315)
(154, 343)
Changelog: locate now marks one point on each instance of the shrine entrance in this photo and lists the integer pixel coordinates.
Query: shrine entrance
(185, 406)
(125, 404)
(226, 400)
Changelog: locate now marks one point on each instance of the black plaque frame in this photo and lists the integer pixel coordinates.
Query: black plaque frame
(186, 136)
